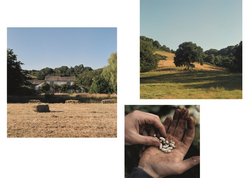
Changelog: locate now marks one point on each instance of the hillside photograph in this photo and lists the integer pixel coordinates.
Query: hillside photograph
(191, 49)
(62, 82)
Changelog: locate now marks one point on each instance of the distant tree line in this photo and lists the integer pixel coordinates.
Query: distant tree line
(229, 57)
(65, 71)
(86, 77)
(188, 53)
(156, 46)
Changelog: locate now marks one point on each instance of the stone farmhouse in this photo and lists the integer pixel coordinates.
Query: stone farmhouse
(55, 80)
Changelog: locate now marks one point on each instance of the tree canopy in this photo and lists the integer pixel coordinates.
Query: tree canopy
(238, 58)
(110, 72)
(229, 57)
(147, 59)
(188, 53)
(15, 77)
(100, 85)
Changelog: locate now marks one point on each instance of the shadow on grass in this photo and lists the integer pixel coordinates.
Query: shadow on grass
(204, 79)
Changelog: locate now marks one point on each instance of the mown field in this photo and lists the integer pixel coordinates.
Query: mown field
(202, 82)
(63, 120)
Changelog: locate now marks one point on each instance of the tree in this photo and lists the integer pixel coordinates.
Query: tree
(238, 57)
(188, 53)
(172, 51)
(147, 60)
(156, 44)
(56, 87)
(45, 87)
(165, 48)
(110, 72)
(40, 76)
(15, 78)
(64, 87)
(100, 85)
(210, 58)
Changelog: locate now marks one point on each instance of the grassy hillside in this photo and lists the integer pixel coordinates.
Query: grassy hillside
(202, 82)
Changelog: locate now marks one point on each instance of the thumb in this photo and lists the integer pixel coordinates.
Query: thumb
(147, 140)
(189, 163)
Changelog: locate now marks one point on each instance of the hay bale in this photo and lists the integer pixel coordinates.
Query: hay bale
(71, 101)
(107, 101)
(34, 101)
(43, 107)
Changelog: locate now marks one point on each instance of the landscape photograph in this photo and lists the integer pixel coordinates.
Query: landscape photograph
(62, 82)
(191, 49)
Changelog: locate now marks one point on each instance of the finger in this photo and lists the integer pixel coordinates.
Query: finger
(188, 163)
(155, 120)
(190, 132)
(147, 140)
(173, 124)
(181, 125)
(152, 132)
(167, 123)
(184, 113)
(150, 129)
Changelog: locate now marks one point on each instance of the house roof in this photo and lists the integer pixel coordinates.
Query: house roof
(35, 82)
(57, 78)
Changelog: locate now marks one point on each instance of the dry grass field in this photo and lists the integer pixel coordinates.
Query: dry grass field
(164, 64)
(63, 120)
(202, 82)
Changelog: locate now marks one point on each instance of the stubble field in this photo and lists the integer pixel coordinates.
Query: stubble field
(63, 120)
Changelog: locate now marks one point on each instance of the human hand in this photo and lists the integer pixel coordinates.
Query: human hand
(138, 124)
(160, 164)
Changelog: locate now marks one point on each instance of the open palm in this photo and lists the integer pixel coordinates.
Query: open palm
(160, 164)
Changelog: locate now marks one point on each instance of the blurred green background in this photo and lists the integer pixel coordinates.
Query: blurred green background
(163, 111)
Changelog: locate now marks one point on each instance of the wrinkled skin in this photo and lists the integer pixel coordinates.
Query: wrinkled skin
(160, 164)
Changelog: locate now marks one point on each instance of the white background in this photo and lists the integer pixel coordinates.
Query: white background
(224, 123)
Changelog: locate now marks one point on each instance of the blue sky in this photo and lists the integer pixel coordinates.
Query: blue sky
(38, 48)
(208, 23)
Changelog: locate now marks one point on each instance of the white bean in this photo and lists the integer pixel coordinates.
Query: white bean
(171, 144)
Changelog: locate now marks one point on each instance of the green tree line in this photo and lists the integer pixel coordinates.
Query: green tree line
(86, 77)
(188, 53)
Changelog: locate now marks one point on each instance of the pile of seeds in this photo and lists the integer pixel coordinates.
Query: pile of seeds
(165, 145)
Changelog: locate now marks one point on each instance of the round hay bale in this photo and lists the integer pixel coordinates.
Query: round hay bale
(107, 101)
(71, 101)
(43, 107)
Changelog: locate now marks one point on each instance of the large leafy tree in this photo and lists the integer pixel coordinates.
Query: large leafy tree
(238, 58)
(110, 72)
(15, 78)
(100, 85)
(148, 61)
(188, 53)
